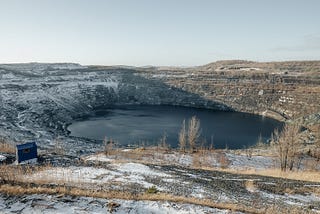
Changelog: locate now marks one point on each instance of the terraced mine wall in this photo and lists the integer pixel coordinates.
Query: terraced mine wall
(285, 90)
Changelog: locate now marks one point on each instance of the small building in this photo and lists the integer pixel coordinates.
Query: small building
(27, 152)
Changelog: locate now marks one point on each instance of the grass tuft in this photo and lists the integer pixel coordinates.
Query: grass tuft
(152, 190)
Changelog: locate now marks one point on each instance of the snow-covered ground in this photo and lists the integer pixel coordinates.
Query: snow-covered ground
(126, 173)
(213, 159)
(2, 158)
(240, 162)
(177, 177)
(61, 205)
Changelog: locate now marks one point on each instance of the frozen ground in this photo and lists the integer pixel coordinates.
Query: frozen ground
(177, 177)
(65, 204)
(232, 161)
(133, 171)
(124, 173)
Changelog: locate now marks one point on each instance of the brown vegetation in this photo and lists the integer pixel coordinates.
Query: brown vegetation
(202, 159)
(12, 184)
(108, 146)
(183, 137)
(21, 189)
(6, 147)
(312, 176)
(42, 189)
(59, 147)
(193, 133)
(189, 136)
(163, 142)
(287, 144)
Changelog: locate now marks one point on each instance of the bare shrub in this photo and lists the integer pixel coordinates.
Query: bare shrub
(183, 137)
(58, 147)
(311, 164)
(223, 160)
(112, 206)
(6, 147)
(250, 186)
(194, 133)
(249, 152)
(287, 144)
(163, 142)
(108, 146)
(196, 160)
(211, 147)
(152, 190)
(315, 152)
(260, 144)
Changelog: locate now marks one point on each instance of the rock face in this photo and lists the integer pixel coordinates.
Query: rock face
(278, 89)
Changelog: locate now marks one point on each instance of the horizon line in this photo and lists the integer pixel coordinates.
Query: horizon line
(150, 65)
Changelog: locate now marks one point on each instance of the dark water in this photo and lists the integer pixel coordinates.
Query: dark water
(146, 125)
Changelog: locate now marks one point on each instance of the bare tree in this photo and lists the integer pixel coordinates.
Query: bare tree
(287, 144)
(108, 145)
(183, 137)
(193, 132)
(58, 147)
(315, 152)
(163, 141)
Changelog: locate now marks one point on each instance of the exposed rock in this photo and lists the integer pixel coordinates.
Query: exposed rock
(289, 89)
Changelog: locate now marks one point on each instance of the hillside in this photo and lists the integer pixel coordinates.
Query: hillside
(39, 101)
(283, 90)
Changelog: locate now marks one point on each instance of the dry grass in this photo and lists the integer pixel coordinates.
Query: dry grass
(312, 176)
(6, 147)
(16, 173)
(292, 210)
(201, 160)
(250, 185)
(13, 183)
(63, 190)
(111, 194)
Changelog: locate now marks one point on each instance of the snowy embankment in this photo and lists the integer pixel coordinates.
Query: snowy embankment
(123, 173)
(66, 204)
(180, 175)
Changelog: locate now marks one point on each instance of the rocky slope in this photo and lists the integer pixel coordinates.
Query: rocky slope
(278, 89)
(38, 101)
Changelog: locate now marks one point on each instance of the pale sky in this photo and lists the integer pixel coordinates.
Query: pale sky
(162, 32)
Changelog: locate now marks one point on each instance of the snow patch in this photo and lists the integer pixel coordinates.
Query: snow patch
(99, 157)
(65, 204)
(124, 173)
(136, 168)
(245, 162)
(2, 158)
